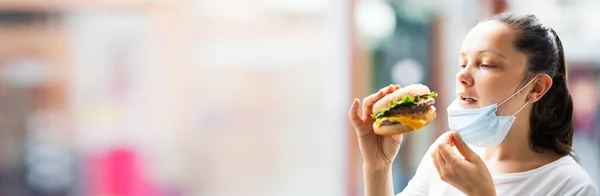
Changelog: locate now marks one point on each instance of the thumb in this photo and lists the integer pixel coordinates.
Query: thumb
(397, 139)
(463, 148)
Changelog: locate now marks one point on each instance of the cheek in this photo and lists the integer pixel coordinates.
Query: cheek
(490, 89)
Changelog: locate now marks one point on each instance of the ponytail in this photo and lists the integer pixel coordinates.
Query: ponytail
(552, 115)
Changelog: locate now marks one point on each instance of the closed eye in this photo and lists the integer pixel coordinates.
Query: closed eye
(488, 66)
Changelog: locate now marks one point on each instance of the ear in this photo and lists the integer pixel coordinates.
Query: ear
(540, 86)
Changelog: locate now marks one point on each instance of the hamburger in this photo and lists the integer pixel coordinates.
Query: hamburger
(404, 110)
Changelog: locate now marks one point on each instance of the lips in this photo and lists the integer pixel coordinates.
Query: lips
(467, 100)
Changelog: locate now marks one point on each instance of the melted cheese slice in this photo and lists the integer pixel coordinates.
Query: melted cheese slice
(414, 123)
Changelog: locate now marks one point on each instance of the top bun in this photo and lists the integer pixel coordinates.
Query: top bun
(413, 90)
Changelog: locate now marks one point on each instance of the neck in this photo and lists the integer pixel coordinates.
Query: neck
(515, 153)
(515, 147)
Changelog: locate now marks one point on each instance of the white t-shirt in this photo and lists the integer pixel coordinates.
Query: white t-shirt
(563, 177)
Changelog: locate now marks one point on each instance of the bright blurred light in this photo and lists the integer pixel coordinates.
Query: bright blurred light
(375, 19)
(407, 71)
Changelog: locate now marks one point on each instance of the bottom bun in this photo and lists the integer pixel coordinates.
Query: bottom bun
(429, 116)
(391, 129)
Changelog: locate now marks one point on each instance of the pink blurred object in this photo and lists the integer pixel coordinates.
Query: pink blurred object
(117, 173)
(585, 103)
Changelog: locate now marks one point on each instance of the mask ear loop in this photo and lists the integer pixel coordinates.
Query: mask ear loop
(517, 92)
(522, 107)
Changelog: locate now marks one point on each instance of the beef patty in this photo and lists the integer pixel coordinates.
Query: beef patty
(414, 109)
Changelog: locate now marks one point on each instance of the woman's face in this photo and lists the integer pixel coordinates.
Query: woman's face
(491, 68)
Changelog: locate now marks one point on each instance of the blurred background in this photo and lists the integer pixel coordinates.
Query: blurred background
(236, 97)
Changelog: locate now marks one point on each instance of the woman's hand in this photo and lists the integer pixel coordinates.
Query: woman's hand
(468, 174)
(378, 152)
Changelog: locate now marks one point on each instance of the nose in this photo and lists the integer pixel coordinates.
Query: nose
(464, 76)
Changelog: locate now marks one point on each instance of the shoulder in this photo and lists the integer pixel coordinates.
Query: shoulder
(570, 176)
(568, 168)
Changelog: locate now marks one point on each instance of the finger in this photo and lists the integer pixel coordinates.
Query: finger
(463, 148)
(370, 100)
(441, 159)
(447, 154)
(444, 137)
(438, 163)
(397, 139)
(434, 159)
(353, 113)
(389, 89)
(367, 109)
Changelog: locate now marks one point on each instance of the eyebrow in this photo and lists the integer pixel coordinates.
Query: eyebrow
(487, 51)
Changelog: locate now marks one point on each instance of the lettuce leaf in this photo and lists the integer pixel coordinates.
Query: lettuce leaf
(406, 100)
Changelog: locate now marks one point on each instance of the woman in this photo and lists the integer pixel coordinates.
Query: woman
(511, 122)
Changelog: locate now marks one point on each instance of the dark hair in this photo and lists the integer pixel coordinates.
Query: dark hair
(552, 116)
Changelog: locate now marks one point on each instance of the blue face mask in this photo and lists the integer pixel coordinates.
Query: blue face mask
(481, 127)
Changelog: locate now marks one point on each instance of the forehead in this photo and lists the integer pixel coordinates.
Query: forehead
(490, 35)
